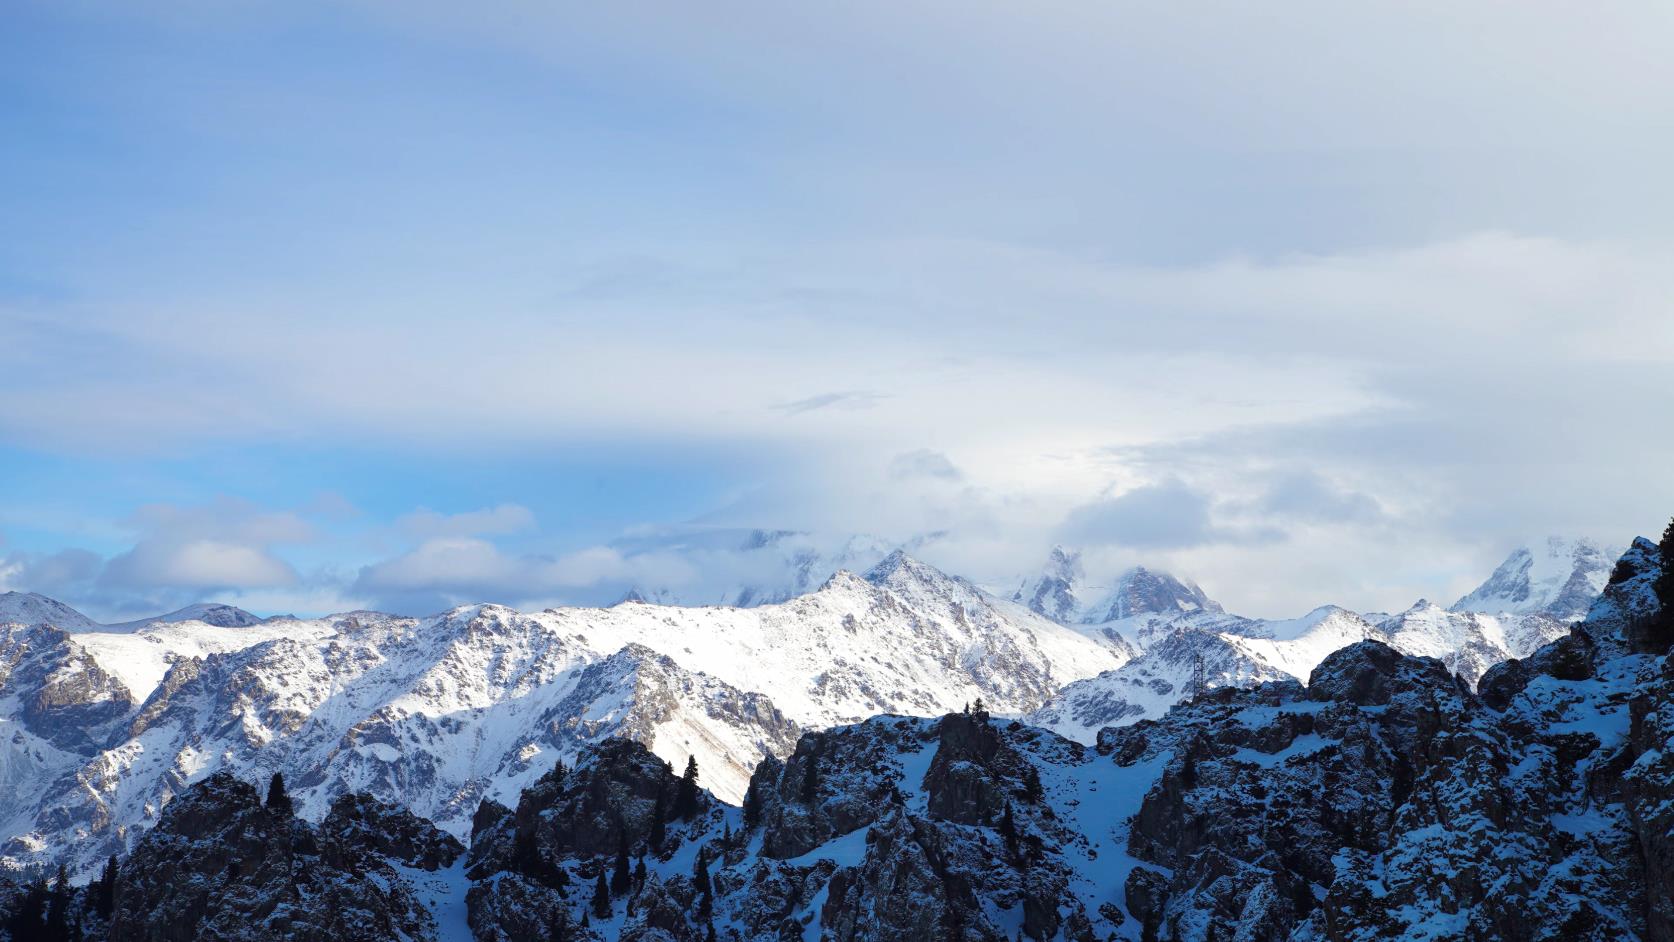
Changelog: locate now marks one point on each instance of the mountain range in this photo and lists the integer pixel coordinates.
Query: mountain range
(1382, 799)
(109, 724)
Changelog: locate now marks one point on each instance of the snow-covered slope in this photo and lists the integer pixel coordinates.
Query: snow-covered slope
(436, 713)
(1559, 579)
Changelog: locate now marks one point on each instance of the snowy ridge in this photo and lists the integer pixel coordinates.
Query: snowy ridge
(435, 714)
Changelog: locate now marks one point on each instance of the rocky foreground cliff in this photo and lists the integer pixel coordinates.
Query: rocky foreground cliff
(1384, 799)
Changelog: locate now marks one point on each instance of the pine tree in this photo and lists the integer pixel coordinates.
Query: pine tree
(659, 823)
(623, 877)
(811, 780)
(979, 711)
(559, 930)
(700, 872)
(1662, 632)
(686, 799)
(104, 895)
(1032, 790)
(1008, 832)
(28, 921)
(752, 805)
(601, 898)
(639, 873)
(278, 800)
(58, 907)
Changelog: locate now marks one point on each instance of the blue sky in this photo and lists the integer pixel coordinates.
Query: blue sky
(312, 306)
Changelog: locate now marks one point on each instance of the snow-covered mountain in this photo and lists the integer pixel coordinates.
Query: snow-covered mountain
(1559, 579)
(437, 713)
(1061, 592)
(103, 726)
(29, 608)
(1381, 800)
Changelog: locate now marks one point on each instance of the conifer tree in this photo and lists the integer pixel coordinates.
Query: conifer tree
(709, 934)
(28, 921)
(58, 907)
(104, 896)
(559, 930)
(278, 800)
(639, 873)
(1008, 832)
(601, 898)
(1663, 585)
(659, 823)
(1032, 791)
(686, 799)
(700, 872)
(622, 879)
(752, 805)
(811, 780)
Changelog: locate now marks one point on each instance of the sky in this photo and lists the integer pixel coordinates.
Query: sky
(311, 307)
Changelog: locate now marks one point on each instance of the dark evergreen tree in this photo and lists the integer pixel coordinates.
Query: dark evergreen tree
(622, 879)
(1032, 790)
(278, 800)
(686, 798)
(811, 780)
(709, 933)
(104, 897)
(1662, 630)
(28, 921)
(601, 898)
(979, 711)
(659, 823)
(752, 805)
(1008, 833)
(639, 873)
(559, 929)
(58, 908)
(700, 872)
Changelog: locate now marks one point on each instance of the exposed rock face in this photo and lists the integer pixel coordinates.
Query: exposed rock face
(67, 698)
(360, 825)
(221, 866)
(1387, 801)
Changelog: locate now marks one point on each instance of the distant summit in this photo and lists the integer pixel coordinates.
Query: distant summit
(209, 613)
(1062, 594)
(29, 608)
(1559, 579)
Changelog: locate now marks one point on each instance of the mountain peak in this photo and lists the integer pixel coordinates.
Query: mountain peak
(1142, 591)
(32, 608)
(898, 566)
(1559, 577)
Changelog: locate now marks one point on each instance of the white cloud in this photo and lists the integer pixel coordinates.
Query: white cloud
(503, 519)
